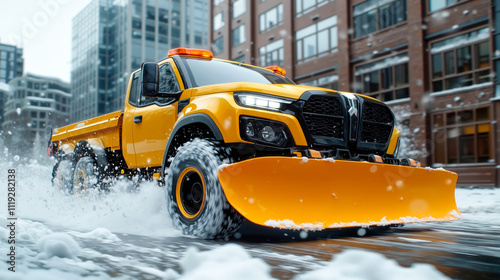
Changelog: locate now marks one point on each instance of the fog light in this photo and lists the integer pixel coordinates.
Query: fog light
(268, 133)
(250, 130)
(265, 132)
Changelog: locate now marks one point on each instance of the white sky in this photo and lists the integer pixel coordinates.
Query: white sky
(43, 29)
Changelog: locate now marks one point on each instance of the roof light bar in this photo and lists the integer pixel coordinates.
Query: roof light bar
(191, 52)
(277, 69)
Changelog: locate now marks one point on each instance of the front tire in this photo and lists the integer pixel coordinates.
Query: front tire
(196, 202)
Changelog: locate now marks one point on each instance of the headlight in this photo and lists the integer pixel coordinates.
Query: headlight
(262, 101)
(265, 132)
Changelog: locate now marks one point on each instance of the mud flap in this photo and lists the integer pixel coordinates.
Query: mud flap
(322, 193)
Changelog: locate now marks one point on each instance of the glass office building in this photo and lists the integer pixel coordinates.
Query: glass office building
(112, 38)
(11, 62)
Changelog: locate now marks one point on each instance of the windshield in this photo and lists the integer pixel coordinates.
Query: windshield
(205, 72)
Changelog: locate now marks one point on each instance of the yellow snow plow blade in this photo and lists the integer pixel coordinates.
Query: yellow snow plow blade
(314, 194)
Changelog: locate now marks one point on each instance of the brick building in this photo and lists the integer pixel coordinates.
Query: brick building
(431, 61)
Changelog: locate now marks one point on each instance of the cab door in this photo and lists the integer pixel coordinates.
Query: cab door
(154, 118)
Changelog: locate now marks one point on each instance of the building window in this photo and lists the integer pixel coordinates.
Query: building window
(330, 81)
(218, 21)
(271, 18)
(218, 46)
(217, 2)
(461, 61)
(374, 15)
(239, 35)
(462, 136)
(305, 6)
(317, 39)
(386, 79)
(435, 5)
(239, 8)
(271, 54)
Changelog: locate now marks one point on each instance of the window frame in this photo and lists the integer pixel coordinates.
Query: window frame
(280, 53)
(136, 90)
(393, 87)
(218, 43)
(221, 13)
(443, 143)
(447, 6)
(242, 33)
(376, 7)
(244, 6)
(301, 50)
(475, 69)
(317, 4)
(333, 84)
(264, 16)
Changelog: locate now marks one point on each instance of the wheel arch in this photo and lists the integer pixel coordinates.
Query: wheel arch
(94, 148)
(198, 124)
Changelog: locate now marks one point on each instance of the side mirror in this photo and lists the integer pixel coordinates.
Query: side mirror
(150, 79)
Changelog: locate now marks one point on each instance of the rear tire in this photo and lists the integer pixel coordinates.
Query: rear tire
(195, 200)
(62, 176)
(86, 175)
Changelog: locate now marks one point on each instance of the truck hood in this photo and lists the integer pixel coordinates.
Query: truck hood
(282, 90)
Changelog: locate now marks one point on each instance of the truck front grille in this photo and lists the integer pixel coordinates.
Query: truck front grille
(377, 123)
(323, 116)
(333, 121)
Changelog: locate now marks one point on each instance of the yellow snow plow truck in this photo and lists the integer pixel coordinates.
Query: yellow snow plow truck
(232, 141)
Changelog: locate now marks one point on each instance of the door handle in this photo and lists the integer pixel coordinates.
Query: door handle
(138, 119)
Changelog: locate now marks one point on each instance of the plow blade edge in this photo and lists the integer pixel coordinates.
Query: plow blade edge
(314, 194)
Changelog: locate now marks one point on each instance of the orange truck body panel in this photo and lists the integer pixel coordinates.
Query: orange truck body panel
(106, 128)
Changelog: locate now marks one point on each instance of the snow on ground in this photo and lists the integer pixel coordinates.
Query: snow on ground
(358, 264)
(480, 205)
(51, 229)
(124, 210)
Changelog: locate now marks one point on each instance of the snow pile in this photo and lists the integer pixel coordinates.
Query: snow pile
(227, 262)
(58, 245)
(44, 254)
(358, 264)
(101, 234)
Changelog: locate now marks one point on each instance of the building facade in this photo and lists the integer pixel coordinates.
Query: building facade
(4, 93)
(112, 38)
(11, 62)
(33, 103)
(431, 61)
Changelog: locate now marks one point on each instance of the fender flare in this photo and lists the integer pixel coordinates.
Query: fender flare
(66, 149)
(197, 118)
(95, 148)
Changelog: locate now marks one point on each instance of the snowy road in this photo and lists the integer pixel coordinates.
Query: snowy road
(126, 235)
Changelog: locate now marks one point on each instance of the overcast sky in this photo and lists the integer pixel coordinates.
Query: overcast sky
(43, 29)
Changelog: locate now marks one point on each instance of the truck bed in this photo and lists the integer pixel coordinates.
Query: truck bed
(106, 128)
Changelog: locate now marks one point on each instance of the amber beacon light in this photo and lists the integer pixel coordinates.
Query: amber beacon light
(191, 52)
(277, 69)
